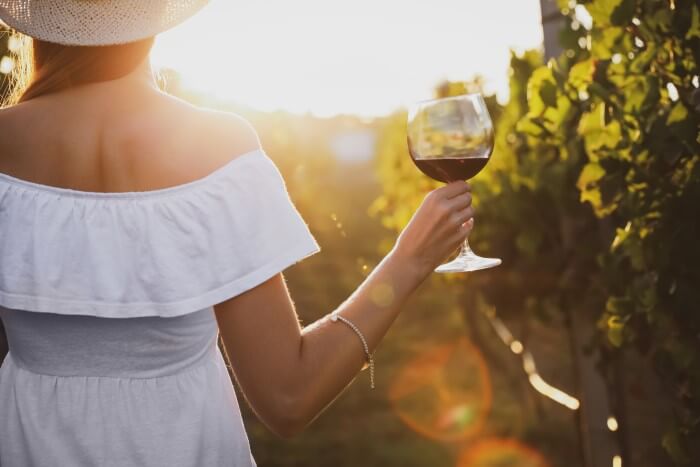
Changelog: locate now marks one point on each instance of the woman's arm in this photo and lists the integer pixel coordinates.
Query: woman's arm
(289, 375)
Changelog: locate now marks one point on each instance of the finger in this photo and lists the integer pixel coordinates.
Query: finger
(453, 189)
(460, 217)
(460, 202)
(463, 232)
(467, 227)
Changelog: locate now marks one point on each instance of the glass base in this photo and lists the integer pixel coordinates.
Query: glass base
(468, 262)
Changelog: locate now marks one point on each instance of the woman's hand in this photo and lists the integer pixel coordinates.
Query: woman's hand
(440, 225)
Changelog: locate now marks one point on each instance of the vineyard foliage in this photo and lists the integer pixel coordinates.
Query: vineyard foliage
(592, 197)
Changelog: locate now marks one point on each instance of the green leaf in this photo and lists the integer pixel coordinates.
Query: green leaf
(604, 41)
(694, 30)
(581, 74)
(601, 11)
(592, 196)
(616, 328)
(641, 93)
(592, 120)
(591, 173)
(561, 114)
(596, 135)
(526, 126)
(678, 114)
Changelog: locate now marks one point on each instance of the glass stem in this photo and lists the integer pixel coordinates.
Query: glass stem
(466, 250)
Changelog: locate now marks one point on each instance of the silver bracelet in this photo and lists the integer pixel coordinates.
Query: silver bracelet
(335, 317)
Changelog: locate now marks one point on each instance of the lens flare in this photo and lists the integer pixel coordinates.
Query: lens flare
(444, 394)
(496, 452)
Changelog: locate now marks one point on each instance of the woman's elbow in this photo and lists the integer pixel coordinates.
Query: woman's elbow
(288, 431)
(289, 419)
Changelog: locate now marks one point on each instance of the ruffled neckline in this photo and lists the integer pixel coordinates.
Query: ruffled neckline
(163, 252)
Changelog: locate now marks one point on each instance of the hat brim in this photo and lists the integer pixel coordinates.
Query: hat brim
(92, 23)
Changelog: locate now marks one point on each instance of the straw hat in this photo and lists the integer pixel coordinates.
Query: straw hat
(95, 22)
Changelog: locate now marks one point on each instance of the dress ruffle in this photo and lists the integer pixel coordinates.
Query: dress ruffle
(163, 252)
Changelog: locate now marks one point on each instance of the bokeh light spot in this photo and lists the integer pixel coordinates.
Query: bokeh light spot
(6, 65)
(445, 393)
(495, 452)
(516, 347)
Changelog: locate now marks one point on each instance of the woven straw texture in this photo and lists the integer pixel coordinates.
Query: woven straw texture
(95, 22)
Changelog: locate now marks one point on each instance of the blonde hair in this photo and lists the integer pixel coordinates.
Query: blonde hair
(45, 67)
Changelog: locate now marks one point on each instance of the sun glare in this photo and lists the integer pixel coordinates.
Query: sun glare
(363, 57)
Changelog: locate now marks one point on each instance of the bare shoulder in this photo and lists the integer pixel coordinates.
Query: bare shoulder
(232, 129)
(183, 142)
(218, 137)
(223, 132)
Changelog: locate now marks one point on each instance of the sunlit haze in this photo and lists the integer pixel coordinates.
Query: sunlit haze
(366, 57)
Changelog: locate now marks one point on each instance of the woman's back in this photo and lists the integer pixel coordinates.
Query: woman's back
(117, 137)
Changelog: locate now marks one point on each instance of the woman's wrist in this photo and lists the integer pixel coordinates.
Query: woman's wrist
(408, 265)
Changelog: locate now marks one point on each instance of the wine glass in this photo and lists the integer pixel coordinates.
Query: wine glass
(451, 139)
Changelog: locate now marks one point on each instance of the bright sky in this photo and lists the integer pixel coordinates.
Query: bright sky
(366, 57)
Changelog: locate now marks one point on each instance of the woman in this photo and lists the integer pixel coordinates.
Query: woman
(135, 229)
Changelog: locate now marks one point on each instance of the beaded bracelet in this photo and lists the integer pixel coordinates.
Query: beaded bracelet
(335, 317)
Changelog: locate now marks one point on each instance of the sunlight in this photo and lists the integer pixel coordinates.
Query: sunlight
(360, 57)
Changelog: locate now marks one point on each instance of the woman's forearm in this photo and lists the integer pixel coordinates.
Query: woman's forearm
(331, 353)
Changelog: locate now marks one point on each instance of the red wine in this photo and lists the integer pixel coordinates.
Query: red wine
(450, 169)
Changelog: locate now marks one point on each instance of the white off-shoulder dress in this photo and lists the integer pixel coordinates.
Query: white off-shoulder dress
(107, 303)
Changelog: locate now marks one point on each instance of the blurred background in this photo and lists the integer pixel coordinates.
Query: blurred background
(582, 349)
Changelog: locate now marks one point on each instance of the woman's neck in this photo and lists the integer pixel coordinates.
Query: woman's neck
(131, 90)
(140, 78)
